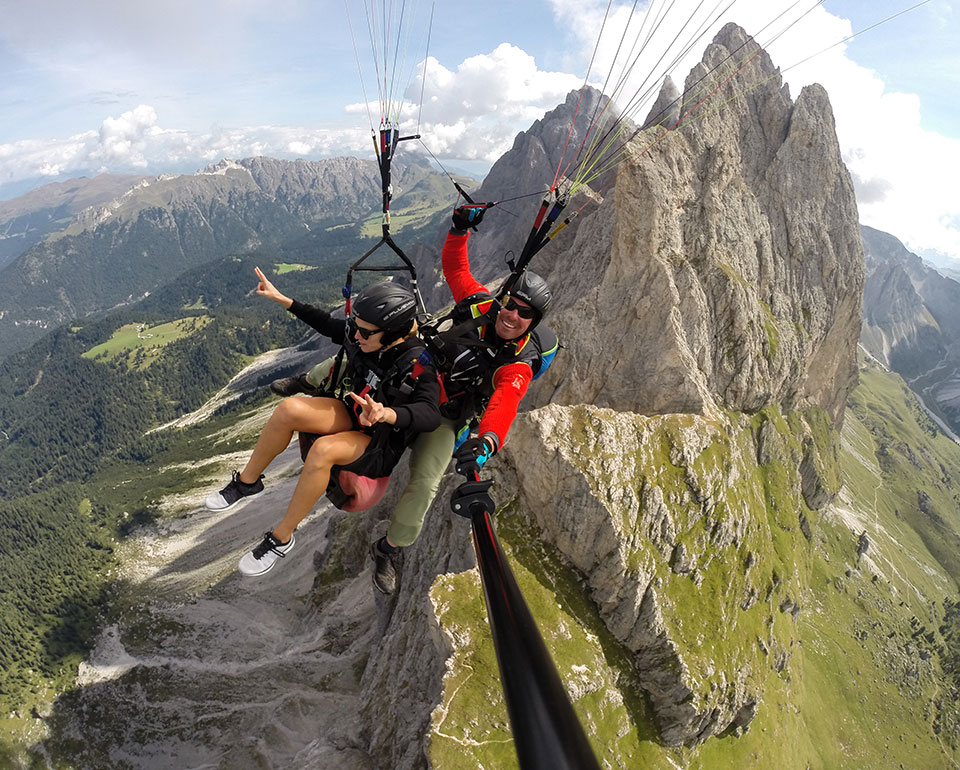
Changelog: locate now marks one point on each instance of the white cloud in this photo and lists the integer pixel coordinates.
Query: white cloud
(125, 140)
(475, 111)
(299, 148)
(134, 141)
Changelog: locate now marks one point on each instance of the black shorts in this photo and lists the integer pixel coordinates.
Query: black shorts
(378, 459)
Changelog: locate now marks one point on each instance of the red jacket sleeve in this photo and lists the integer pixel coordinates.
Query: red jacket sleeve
(456, 267)
(510, 385)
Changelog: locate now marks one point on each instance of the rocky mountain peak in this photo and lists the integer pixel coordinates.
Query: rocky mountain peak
(221, 167)
(666, 110)
(713, 279)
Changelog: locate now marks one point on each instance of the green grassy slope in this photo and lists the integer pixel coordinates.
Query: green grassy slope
(850, 646)
(417, 206)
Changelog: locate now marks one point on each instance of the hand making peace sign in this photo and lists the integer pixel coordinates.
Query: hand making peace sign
(374, 411)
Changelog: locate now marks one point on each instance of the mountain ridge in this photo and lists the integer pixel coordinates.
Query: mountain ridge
(115, 253)
(912, 322)
(31, 217)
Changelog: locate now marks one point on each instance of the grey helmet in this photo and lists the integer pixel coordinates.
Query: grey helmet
(387, 306)
(533, 290)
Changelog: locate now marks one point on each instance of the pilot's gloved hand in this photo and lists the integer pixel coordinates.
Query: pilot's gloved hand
(469, 215)
(472, 454)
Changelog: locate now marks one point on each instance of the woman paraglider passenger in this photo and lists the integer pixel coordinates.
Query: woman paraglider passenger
(394, 398)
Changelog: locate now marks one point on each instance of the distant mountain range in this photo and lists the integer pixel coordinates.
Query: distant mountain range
(27, 220)
(120, 248)
(911, 322)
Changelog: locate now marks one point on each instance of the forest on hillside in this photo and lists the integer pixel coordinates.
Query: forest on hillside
(73, 434)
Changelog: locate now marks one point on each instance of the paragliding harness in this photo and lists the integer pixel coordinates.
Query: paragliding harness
(350, 489)
(462, 356)
(385, 149)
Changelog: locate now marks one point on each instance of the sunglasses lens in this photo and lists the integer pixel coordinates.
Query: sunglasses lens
(365, 333)
(524, 311)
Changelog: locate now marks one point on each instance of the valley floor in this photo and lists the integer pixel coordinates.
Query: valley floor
(215, 670)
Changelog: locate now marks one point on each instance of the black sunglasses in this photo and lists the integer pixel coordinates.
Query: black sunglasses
(365, 333)
(524, 311)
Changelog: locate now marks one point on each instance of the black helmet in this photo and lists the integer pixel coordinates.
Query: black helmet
(533, 290)
(388, 306)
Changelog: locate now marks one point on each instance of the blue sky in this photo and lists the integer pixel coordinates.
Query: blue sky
(112, 85)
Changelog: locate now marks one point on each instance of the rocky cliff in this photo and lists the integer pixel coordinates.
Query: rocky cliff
(721, 279)
(912, 322)
(667, 503)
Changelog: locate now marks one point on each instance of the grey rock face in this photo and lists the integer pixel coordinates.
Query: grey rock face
(728, 270)
(912, 322)
(526, 170)
(665, 113)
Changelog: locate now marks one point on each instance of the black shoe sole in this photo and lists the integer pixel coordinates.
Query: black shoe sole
(293, 386)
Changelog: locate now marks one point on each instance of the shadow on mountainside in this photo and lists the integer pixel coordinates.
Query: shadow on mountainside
(210, 669)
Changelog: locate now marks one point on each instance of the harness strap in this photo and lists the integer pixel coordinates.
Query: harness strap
(462, 333)
(357, 408)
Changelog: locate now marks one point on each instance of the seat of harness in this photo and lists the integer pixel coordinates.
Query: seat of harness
(351, 491)
(348, 491)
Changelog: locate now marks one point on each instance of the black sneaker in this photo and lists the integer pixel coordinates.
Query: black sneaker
(386, 569)
(233, 493)
(291, 386)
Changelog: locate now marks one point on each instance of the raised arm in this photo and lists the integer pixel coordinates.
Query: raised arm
(454, 258)
(314, 317)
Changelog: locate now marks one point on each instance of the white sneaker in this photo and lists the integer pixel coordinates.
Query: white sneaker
(262, 558)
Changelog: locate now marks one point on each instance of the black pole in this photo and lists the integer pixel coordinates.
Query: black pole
(546, 732)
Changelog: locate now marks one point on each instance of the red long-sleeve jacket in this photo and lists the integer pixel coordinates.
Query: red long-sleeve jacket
(509, 380)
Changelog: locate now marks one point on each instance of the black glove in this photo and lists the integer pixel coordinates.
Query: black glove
(471, 455)
(468, 216)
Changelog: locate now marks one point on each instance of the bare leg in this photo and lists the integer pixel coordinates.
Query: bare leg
(311, 415)
(337, 449)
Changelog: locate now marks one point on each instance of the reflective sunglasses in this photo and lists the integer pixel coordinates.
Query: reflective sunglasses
(524, 311)
(365, 333)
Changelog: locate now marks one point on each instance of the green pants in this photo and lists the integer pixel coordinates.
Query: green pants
(430, 454)
(318, 374)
